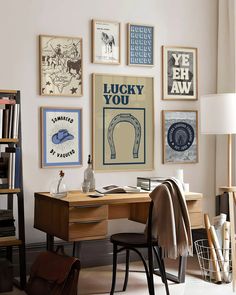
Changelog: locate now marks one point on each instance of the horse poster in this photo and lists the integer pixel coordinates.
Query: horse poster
(106, 42)
(180, 137)
(61, 66)
(179, 73)
(122, 123)
(61, 130)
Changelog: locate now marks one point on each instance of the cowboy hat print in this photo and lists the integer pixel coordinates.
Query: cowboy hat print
(61, 136)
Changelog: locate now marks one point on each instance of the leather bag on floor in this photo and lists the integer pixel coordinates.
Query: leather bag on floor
(53, 274)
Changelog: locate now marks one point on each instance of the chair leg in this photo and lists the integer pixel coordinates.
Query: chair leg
(151, 268)
(113, 284)
(126, 270)
(161, 264)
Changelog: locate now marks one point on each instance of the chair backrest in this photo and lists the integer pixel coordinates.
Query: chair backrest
(169, 220)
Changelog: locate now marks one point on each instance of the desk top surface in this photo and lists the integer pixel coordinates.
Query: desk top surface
(74, 198)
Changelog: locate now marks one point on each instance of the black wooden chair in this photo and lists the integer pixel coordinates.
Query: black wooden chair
(135, 242)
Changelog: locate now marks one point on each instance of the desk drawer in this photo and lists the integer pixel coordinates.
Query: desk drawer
(87, 230)
(88, 213)
(194, 206)
(196, 219)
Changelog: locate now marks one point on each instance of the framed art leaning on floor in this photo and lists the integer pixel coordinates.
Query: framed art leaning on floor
(61, 133)
(180, 136)
(122, 122)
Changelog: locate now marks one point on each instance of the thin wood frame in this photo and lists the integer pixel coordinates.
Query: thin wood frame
(61, 70)
(104, 48)
(144, 52)
(180, 139)
(65, 135)
(177, 79)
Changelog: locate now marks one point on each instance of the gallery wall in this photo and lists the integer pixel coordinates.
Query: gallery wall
(183, 23)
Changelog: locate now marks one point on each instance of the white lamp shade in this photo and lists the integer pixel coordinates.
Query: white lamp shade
(218, 113)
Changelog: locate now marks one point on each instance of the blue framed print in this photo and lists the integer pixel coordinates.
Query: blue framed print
(123, 123)
(61, 130)
(180, 137)
(140, 45)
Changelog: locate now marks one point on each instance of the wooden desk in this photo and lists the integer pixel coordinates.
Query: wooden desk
(79, 217)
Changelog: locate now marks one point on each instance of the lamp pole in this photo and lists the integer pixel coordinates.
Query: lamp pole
(229, 160)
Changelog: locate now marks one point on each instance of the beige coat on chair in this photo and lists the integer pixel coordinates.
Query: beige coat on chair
(171, 224)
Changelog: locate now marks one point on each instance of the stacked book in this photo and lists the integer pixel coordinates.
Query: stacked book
(10, 168)
(7, 227)
(9, 118)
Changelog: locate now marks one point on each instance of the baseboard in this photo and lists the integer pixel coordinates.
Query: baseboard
(91, 253)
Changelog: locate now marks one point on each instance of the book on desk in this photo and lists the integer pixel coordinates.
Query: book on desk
(115, 189)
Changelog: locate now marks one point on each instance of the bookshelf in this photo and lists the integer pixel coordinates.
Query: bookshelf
(11, 173)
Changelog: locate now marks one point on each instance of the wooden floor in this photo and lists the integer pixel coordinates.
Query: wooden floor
(97, 280)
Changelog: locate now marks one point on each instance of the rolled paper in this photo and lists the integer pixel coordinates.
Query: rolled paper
(226, 245)
(219, 253)
(215, 264)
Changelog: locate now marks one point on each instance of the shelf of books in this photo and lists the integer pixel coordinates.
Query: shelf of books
(9, 140)
(7, 229)
(9, 191)
(9, 241)
(11, 180)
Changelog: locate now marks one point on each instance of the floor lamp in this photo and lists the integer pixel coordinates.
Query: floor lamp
(218, 116)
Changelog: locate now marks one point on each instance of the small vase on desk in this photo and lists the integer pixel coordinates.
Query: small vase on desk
(58, 187)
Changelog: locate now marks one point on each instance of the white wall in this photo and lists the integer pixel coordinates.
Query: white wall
(185, 22)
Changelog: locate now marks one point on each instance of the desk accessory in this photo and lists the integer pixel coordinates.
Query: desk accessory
(89, 179)
(96, 195)
(58, 187)
(149, 183)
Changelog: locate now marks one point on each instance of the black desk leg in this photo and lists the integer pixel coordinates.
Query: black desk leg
(182, 268)
(180, 278)
(50, 242)
(76, 249)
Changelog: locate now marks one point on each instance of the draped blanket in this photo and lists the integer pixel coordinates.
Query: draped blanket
(170, 219)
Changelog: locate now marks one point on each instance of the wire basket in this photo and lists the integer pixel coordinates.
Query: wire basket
(206, 262)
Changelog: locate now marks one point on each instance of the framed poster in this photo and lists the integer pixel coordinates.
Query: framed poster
(179, 79)
(122, 122)
(105, 42)
(61, 66)
(180, 136)
(140, 45)
(61, 130)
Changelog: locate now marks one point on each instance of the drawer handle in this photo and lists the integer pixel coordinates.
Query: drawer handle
(87, 221)
(87, 206)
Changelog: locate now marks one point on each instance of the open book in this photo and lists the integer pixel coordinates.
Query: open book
(115, 189)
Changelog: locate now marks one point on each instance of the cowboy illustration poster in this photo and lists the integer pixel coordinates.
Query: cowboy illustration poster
(106, 42)
(61, 66)
(61, 137)
(122, 122)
